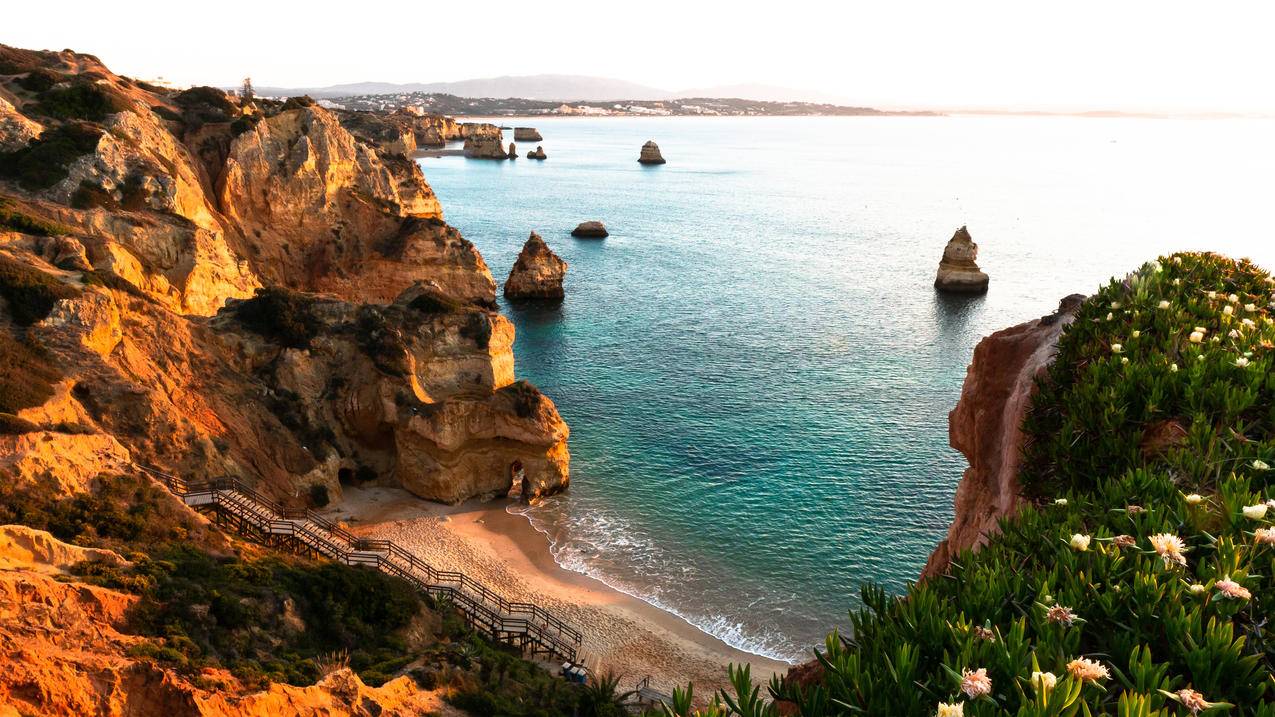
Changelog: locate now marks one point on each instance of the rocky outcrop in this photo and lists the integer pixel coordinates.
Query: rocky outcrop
(590, 230)
(67, 653)
(485, 148)
(538, 272)
(986, 426)
(651, 153)
(181, 205)
(958, 271)
(537, 153)
(16, 129)
(527, 134)
(513, 151)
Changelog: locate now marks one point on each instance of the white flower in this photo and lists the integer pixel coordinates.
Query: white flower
(1248, 323)
(1231, 589)
(1260, 464)
(1212, 294)
(1233, 299)
(1241, 362)
(1087, 670)
(1044, 681)
(1228, 309)
(1193, 498)
(1115, 304)
(1265, 536)
(1196, 588)
(1233, 333)
(1124, 359)
(951, 709)
(1116, 348)
(1196, 337)
(1136, 334)
(1250, 307)
(1110, 316)
(1164, 304)
(1173, 368)
(1255, 512)
(1060, 501)
(1177, 282)
(1080, 542)
(1169, 547)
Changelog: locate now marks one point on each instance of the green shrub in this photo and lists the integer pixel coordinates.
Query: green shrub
(1137, 552)
(89, 196)
(39, 80)
(27, 374)
(30, 293)
(44, 162)
(81, 100)
(18, 221)
(11, 425)
(284, 316)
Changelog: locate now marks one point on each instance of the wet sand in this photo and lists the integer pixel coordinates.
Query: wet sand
(504, 552)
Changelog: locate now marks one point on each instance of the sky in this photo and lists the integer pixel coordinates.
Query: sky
(1126, 55)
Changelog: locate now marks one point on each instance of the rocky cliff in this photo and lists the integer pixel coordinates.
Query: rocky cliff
(986, 427)
(136, 226)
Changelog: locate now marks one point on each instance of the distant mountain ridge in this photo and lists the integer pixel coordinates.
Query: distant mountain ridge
(565, 88)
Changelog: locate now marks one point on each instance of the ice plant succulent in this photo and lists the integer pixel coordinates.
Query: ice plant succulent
(976, 683)
(1228, 588)
(1169, 547)
(1087, 670)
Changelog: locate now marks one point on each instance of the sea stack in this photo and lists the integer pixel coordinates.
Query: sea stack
(527, 134)
(513, 151)
(537, 274)
(485, 147)
(590, 230)
(651, 154)
(537, 153)
(957, 272)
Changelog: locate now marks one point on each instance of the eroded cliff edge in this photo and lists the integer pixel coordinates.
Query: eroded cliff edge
(220, 286)
(986, 427)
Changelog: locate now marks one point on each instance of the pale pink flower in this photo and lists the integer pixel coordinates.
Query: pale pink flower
(1192, 700)
(1231, 589)
(1265, 536)
(1061, 615)
(984, 633)
(976, 683)
(1086, 670)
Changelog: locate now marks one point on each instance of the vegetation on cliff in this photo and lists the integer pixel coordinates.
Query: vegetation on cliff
(1141, 578)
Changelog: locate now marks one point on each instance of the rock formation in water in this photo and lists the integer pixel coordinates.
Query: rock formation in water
(527, 134)
(513, 151)
(590, 230)
(156, 210)
(986, 427)
(651, 154)
(957, 271)
(537, 153)
(537, 274)
(483, 147)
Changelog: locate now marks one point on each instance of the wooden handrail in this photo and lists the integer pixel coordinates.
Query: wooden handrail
(318, 534)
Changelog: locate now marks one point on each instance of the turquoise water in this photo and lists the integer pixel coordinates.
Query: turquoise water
(755, 367)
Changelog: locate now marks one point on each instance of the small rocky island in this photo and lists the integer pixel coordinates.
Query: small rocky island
(537, 274)
(958, 273)
(485, 147)
(527, 134)
(537, 153)
(651, 153)
(590, 230)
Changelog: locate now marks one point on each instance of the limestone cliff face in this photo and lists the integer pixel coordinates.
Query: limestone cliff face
(958, 272)
(986, 426)
(169, 206)
(65, 652)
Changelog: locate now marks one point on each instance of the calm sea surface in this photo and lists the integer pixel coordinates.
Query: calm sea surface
(755, 367)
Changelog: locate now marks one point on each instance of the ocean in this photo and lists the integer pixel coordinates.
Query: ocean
(755, 366)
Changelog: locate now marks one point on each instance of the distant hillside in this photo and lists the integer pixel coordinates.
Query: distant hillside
(553, 88)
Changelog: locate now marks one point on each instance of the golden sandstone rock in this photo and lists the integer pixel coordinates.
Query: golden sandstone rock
(958, 271)
(538, 272)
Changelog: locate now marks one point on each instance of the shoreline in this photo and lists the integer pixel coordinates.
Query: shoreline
(509, 555)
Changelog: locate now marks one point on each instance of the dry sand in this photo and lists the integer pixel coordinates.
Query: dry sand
(509, 556)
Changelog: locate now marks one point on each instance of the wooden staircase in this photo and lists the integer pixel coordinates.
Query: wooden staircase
(235, 506)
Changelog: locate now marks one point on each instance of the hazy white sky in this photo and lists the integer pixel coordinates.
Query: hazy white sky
(1109, 54)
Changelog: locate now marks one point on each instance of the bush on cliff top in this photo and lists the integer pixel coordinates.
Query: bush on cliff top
(13, 219)
(44, 162)
(81, 100)
(29, 292)
(27, 374)
(281, 315)
(1141, 580)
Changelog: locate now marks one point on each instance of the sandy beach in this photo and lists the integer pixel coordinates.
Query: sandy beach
(621, 632)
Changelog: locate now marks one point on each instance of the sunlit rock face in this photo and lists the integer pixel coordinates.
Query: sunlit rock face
(958, 271)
